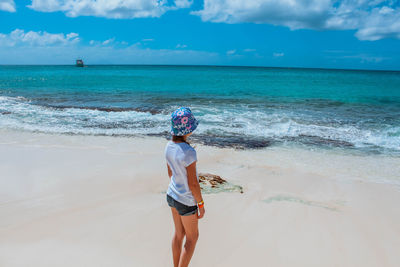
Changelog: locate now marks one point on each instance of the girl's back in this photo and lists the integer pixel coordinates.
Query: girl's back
(179, 156)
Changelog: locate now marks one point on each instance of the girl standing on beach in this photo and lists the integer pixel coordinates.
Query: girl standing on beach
(183, 194)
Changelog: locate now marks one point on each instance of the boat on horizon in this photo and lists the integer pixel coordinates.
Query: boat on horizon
(79, 63)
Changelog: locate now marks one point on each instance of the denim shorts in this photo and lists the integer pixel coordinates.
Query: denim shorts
(182, 209)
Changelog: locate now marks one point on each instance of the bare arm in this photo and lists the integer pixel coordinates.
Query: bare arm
(194, 186)
(193, 183)
(169, 171)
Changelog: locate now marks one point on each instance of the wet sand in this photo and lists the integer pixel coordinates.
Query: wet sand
(100, 201)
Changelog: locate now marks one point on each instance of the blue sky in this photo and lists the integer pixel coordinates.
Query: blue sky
(350, 34)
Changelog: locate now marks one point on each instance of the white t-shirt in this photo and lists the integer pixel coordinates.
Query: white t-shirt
(179, 156)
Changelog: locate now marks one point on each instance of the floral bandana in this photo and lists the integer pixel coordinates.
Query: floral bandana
(183, 122)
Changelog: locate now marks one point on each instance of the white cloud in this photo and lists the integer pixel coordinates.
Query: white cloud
(183, 3)
(116, 9)
(366, 58)
(373, 20)
(20, 37)
(21, 47)
(148, 40)
(249, 50)
(105, 55)
(355, 56)
(291, 13)
(280, 54)
(382, 23)
(109, 41)
(7, 5)
(231, 52)
(181, 46)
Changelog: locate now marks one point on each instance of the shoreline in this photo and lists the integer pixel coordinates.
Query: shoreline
(72, 200)
(240, 143)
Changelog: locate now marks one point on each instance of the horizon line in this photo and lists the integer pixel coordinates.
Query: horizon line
(206, 65)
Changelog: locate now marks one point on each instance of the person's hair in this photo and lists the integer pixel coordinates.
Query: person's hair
(179, 138)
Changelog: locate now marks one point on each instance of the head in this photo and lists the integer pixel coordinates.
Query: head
(183, 123)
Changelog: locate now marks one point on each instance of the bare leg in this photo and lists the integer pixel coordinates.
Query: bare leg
(178, 237)
(190, 224)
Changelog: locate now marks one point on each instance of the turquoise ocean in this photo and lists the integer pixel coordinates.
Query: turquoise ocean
(242, 107)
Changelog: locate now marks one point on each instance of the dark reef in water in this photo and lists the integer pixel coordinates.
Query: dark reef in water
(237, 142)
(153, 111)
(242, 142)
(319, 141)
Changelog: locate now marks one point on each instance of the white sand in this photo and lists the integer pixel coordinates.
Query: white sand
(100, 201)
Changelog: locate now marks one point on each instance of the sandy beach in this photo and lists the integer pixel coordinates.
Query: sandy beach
(100, 201)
